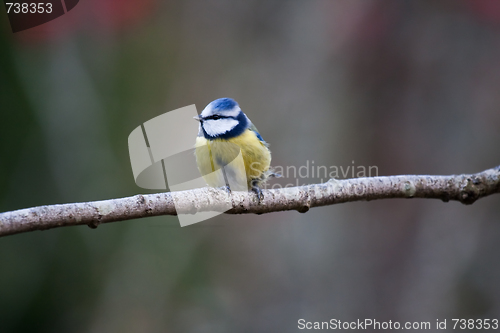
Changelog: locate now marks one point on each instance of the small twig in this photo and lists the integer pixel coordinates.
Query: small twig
(464, 188)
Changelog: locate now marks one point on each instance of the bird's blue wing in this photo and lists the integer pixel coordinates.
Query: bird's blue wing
(256, 131)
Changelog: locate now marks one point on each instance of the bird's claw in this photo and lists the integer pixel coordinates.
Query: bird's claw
(227, 189)
(258, 191)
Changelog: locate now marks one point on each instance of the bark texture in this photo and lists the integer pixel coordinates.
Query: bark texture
(466, 188)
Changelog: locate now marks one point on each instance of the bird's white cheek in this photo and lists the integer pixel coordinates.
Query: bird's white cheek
(219, 127)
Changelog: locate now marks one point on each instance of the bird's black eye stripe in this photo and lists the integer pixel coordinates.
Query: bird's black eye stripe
(214, 117)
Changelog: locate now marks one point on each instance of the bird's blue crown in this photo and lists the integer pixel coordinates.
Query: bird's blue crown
(223, 104)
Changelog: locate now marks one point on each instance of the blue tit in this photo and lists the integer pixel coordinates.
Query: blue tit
(224, 132)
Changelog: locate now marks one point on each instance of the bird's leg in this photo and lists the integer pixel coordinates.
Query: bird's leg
(256, 189)
(227, 187)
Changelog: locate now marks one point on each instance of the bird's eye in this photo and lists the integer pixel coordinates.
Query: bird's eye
(215, 117)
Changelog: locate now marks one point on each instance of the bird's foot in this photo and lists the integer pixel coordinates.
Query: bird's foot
(227, 189)
(258, 191)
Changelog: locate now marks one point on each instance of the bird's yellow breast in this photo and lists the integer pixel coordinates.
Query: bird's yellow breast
(211, 155)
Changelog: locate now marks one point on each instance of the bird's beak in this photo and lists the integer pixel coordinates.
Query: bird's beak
(197, 118)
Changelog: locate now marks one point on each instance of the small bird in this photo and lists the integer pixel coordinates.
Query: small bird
(224, 131)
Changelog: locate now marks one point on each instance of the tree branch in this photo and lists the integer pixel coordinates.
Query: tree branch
(464, 188)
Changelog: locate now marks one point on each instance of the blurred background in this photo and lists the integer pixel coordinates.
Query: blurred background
(408, 86)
